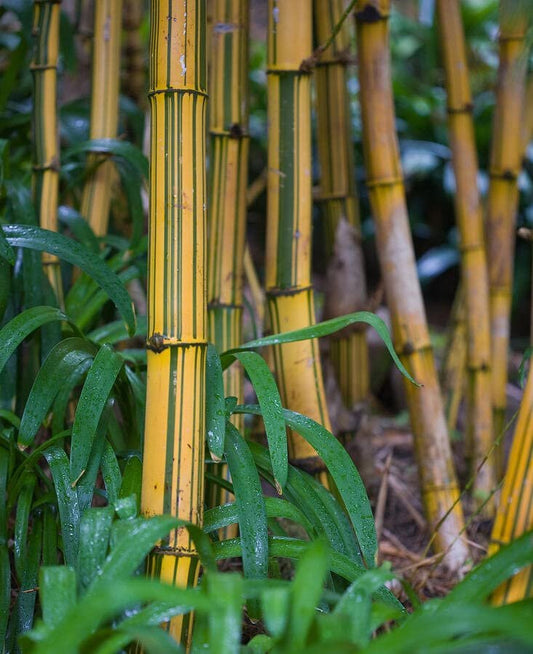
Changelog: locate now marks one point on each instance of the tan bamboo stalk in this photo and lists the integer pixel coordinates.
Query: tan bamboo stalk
(96, 197)
(228, 119)
(469, 218)
(288, 246)
(404, 297)
(339, 202)
(514, 515)
(46, 16)
(134, 50)
(173, 470)
(505, 162)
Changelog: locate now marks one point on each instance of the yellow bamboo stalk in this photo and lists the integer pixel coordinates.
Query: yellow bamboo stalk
(288, 246)
(514, 515)
(46, 16)
(96, 197)
(338, 200)
(505, 163)
(173, 470)
(469, 218)
(395, 250)
(228, 187)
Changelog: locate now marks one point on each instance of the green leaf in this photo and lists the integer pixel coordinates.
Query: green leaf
(22, 519)
(67, 500)
(57, 590)
(95, 531)
(64, 358)
(325, 329)
(215, 409)
(79, 227)
(98, 385)
(131, 549)
(271, 410)
(494, 570)
(115, 147)
(225, 619)
(131, 479)
(250, 504)
(111, 473)
(22, 325)
(344, 474)
(306, 591)
(6, 251)
(114, 332)
(65, 248)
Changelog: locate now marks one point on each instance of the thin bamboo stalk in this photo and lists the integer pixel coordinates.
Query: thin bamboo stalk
(227, 206)
(173, 470)
(96, 197)
(505, 163)
(288, 247)
(46, 16)
(453, 373)
(395, 251)
(473, 257)
(228, 187)
(338, 200)
(514, 515)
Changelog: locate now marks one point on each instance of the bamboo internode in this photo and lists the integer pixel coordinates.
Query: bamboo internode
(473, 257)
(387, 198)
(46, 18)
(96, 198)
(173, 471)
(288, 247)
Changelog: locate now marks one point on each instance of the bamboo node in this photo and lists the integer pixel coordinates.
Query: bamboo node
(157, 343)
(236, 131)
(507, 174)
(384, 181)
(277, 292)
(370, 14)
(467, 108)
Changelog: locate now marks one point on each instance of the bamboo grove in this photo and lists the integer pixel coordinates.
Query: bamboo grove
(208, 282)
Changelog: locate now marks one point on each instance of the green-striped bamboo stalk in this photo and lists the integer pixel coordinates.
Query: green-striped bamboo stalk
(339, 202)
(173, 470)
(46, 17)
(395, 251)
(473, 257)
(514, 515)
(228, 119)
(288, 247)
(96, 196)
(505, 162)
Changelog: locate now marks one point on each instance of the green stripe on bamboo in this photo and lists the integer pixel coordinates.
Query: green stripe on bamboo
(288, 247)
(338, 200)
(173, 470)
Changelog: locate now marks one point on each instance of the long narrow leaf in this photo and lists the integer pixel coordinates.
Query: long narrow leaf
(22, 325)
(98, 384)
(250, 504)
(325, 329)
(43, 240)
(215, 409)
